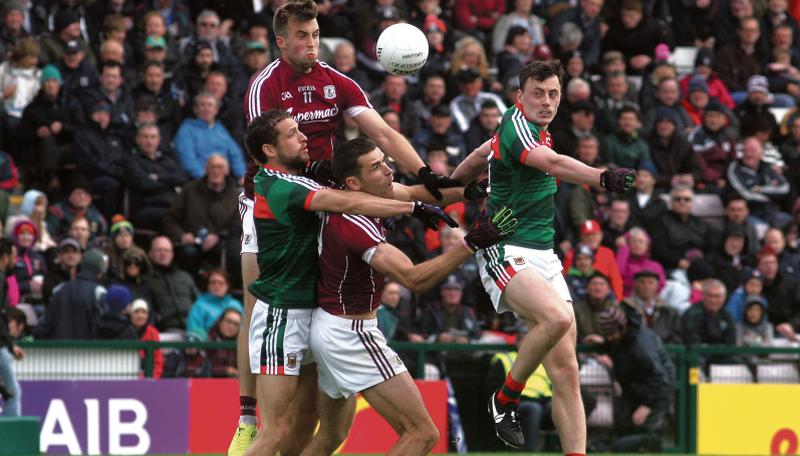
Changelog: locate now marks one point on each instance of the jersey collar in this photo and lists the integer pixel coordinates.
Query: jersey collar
(276, 169)
(522, 110)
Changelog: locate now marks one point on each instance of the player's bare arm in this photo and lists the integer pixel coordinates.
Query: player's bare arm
(619, 180)
(449, 195)
(474, 165)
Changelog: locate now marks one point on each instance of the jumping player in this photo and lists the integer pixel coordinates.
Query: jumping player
(522, 274)
(287, 227)
(350, 351)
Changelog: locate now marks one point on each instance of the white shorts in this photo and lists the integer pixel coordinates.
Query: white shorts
(249, 239)
(279, 340)
(351, 355)
(499, 263)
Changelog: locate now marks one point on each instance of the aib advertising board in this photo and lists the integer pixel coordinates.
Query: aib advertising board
(177, 416)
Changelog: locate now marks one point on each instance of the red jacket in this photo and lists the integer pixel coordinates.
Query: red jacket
(604, 262)
(486, 12)
(151, 333)
(716, 88)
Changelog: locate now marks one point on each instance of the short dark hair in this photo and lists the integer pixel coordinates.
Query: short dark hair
(489, 104)
(626, 109)
(6, 247)
(345, 159)
(540, 70)
(110, 64)
(151, 63)
(263, 130)
(14, 314)
(299, 10)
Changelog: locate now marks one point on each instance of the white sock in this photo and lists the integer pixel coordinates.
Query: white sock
(248, 419)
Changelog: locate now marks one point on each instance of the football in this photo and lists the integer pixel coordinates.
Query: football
(402, 49)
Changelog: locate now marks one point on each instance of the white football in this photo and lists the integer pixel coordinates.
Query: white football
(402, 49)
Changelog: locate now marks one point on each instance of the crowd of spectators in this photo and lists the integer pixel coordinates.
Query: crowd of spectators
(121, 135)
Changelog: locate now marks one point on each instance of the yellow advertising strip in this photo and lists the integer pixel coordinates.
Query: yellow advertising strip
(748, 419)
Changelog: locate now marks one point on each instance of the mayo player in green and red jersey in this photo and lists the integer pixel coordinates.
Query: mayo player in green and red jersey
(523, 274)
(286, 227)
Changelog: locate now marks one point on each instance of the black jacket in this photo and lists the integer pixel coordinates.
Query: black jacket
(5, 339)
(650, 213)
(675, 157)
(168, 109)
(78, 80)
(98, 153)
(783, 296)
(115, 327)
(153, 182)
(674, 237)
(700, 327)
(42, 112)
(73, 310)
(121, 109)
(174, 292)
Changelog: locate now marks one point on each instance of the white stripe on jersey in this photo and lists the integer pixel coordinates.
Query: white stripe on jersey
(254, 99)
(344, 277)
(365, 225)
(523, 132)
(304, 181)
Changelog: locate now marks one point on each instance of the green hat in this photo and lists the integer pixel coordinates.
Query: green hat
(51, 72)
(121, 225)
(256, 46)
(155, 42)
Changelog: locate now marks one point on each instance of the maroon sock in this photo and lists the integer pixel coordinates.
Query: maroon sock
(575, 454)
(247, 406)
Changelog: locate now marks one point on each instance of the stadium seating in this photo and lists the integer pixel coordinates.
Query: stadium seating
(777, 373)
(730, 373)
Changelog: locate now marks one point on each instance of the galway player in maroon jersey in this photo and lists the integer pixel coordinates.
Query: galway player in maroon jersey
(351, 353)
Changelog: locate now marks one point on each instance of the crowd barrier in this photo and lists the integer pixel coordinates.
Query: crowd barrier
(728, 400)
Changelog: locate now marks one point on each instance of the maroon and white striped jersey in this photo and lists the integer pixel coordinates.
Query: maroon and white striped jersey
(347, 284)
(315, 100)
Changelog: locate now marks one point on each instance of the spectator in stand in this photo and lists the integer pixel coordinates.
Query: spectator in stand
(396, 315)
(577, 91)
(696, 100)
(440, 130)
(209, 306)
(625, 148)
(34, 208)
(708, 323)
(433, 92)
(393, 95)
(483, 126)
(598, 298)
(112, 92)
(678, 230)
(604, 262)
(586, 15)
(66, 28)
(468, 54)
(200, 138)
(729, 261)
(30, 267)
(65, 267)
(585, 202)
(153, 177)
(188, 363)
(140, 316)
(153, 86)
(618, 222)
(655, 312)
(781, 70)
(635, 35)
(80, 229)
(633, 256)
(133, 272)
(226, 328)
(78, 204)
(714, 147)
(98, 153)
(121, 236)
(668, 100)
(478, 17)
(777, 16)
(12, 30)
(759, 184)
(449, 321)
(703, 67)
(8, 382)
(79, 73)
(344, 60)
(736, 62)
(256, 57)
(515, 54)
(645, 373)
(646, 204)
(194, 71)
(174, 290)
(737, 213)
(754, 330)
(788, 262)
(582, 118)
(783, 295)
(76, 304)
(46, 129)
(672, 155)
(617, 94)
(466, 105)
(201, 216)
(207, 30)
(753, 112)
(520, 16)
(230, 112)
(114, 323)
(752, 284)
(581, 271)
(19, 83)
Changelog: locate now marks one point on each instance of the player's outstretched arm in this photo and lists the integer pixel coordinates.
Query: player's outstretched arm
(473, 191)
(619, 180)
(474, 165)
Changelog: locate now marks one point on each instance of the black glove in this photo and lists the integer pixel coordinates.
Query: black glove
(619, 180)
(321, 171)
(430, 215)
(389, 223)
(476, 190)
(486, 232)
(433, 182)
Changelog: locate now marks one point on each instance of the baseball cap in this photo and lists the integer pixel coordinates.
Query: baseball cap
(583, 249)
(715, 105)
(612, 56)
(610, 320)
(590, 227)
(155, 42)
(758, 83)
(645, 273)
(69, 242)
(256, 46)
(755, 299)
(452, 282)
(72, 47)
(100, 105)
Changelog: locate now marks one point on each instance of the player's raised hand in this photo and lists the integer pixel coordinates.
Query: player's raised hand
(619, 180)
(321, 171)
(430, 215)
(433, 182)
(476, 190)
(487, 231)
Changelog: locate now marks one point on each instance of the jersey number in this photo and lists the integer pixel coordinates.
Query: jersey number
(307, 97)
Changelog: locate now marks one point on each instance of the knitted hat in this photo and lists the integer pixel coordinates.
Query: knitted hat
(665, 113)
(649, 166)
(704, 57)
(119, 223)
(152, 42)
(698, 84)
(80, 182)
(699, 269)
(93, 262)
(715, 105)
(645, 273)
(51, 72)
(610, 320)
(139, 304)
(24, 226)
(117, 298)
(63, 19)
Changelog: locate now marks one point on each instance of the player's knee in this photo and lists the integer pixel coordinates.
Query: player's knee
(559, 322)
(565, 372)
(429, 437)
